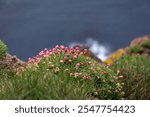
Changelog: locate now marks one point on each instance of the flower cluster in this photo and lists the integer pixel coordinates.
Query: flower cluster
(66, 56)
(75, 63)
(69, 52)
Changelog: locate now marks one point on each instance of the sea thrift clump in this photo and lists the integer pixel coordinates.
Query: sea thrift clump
(74, 64)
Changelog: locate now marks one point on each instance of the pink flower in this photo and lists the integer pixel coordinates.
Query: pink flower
(81, 53)
(57, 46)
(30, 60)
(67, 55)
(72, 51)
(77, 48)
(47, 52)
(41, 53)
(106, 64)
(45, 55)
(62, 47)
(75, 56)
(78, 65)
(38, 58)
(50, 53)
(86, 77)
(76, 75)
(78, 51)
(45, 49)
(54, 50)
(85, 50)
(66, 58)
(66, 49)
(58, 50)
(90, 63)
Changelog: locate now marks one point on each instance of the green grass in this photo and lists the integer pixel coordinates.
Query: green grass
(35, 87)
(136, 49)
(146, 44)
(5, 72)
(136, 70)
(3, 49)
(48, 78)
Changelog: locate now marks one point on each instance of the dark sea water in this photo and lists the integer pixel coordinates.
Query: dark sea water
(27, 26)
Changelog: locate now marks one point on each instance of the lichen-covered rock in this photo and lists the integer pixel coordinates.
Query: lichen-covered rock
(139, 40)
(139, 46)
(11, 63)
(116, 55)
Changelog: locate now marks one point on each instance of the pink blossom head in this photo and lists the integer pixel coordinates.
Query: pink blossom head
(66, 58)
(85, 50)
(76, 75)
(67, 55)
(78, 65)
(90, 63)
(77, 48)
(75, 56)
(62, 47)
(86, 77)
(72, 51)
(57, 46)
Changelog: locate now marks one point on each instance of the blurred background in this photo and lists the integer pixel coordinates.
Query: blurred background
(28, 26)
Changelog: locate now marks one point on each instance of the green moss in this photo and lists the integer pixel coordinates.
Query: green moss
(146, 44)
(135, 49)
(3, 49)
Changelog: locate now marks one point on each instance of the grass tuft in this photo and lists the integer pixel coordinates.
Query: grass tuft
(136, 72)
(3, 49)
(135, 49)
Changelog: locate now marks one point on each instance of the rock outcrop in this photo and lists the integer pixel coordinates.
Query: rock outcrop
(139, 40)
(139, 46)
(12, 63)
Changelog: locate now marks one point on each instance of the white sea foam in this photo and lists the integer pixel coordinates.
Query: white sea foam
(100, 50)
